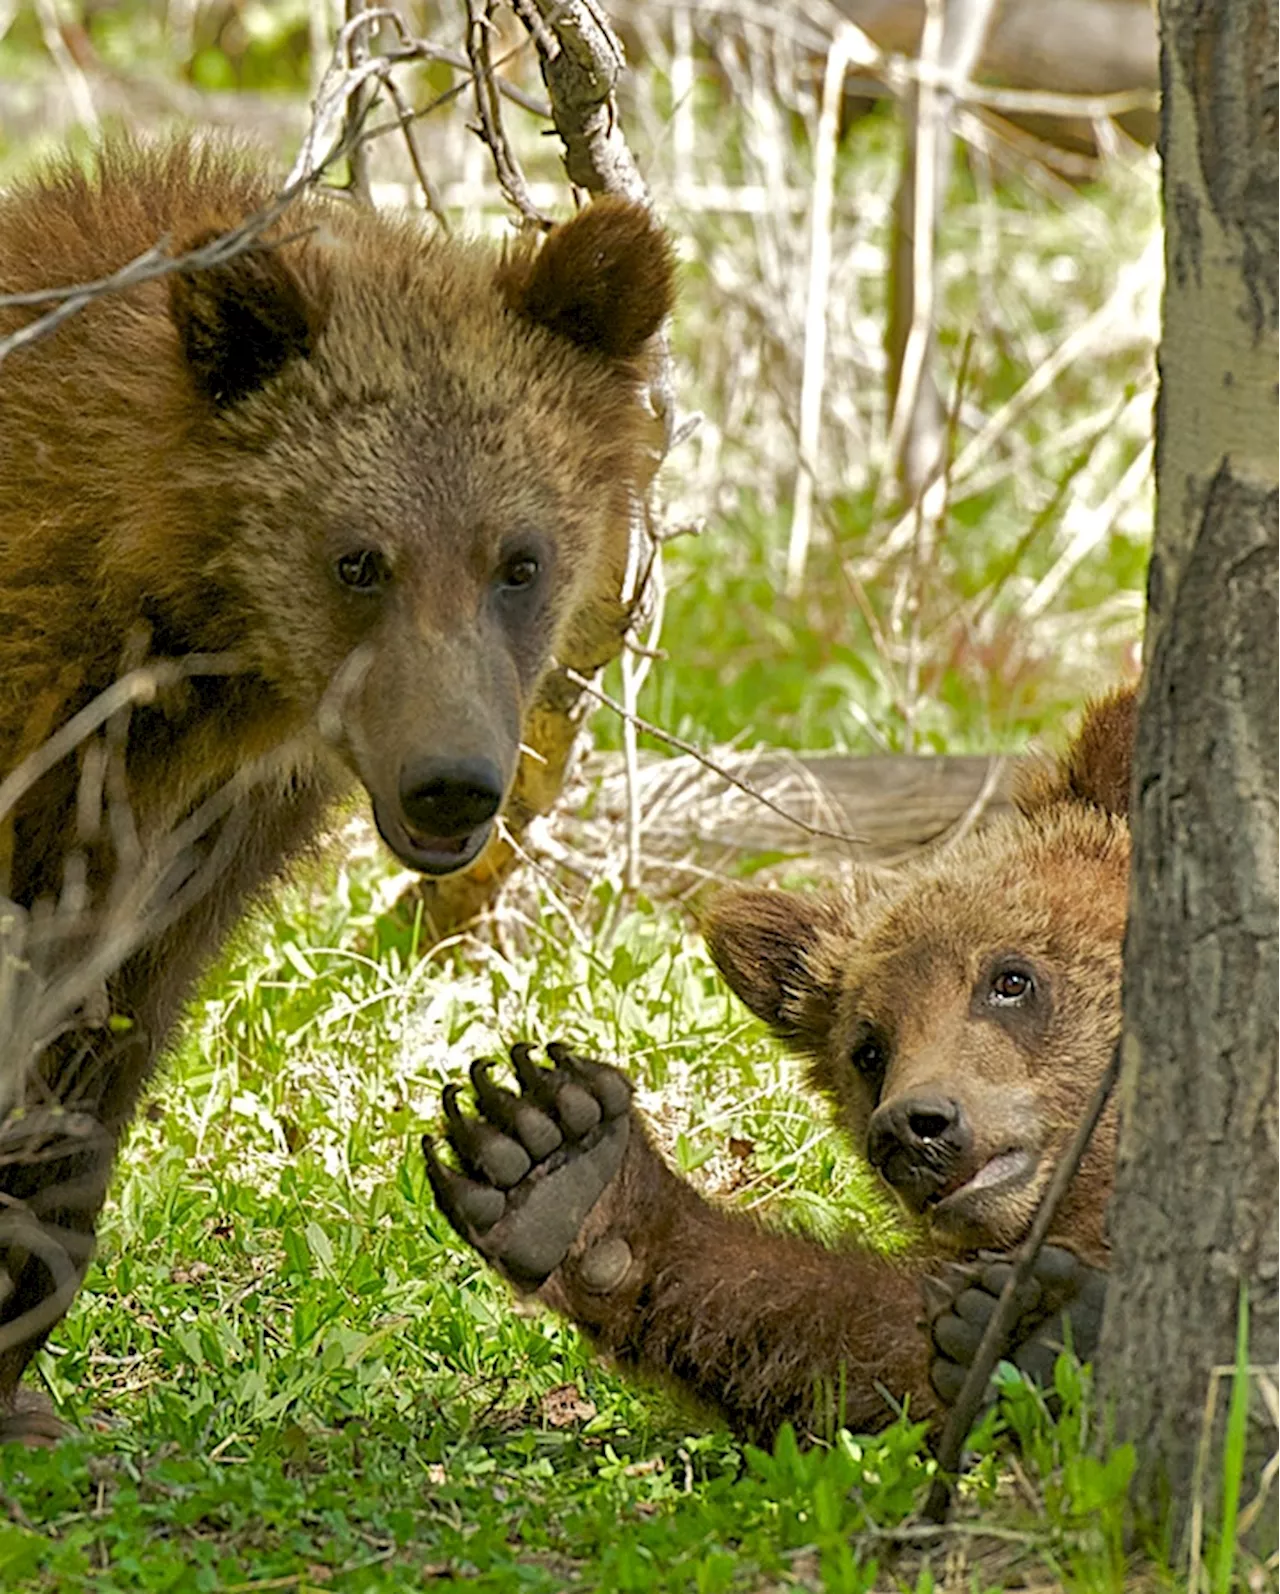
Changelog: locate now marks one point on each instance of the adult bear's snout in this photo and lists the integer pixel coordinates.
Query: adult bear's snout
(448, 798)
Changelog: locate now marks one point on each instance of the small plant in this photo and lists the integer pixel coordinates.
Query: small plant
(1084, 1494)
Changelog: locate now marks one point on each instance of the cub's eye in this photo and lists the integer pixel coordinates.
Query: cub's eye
(1010, 988)
(362, 570)
(518, 572)
(870, 1057)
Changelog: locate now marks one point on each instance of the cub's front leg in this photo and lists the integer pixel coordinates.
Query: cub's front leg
(562, 1191)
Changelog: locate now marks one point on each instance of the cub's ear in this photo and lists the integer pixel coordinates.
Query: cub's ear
(778, 951)
(605, 280)
(239, 323)
(1097, 768)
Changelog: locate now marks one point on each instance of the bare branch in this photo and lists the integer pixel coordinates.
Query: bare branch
(996, 1336)
(360, 26)
(582, 61)
(142, 685)
(489, 109)
(847, 48)
(314, 161)
(704, 758)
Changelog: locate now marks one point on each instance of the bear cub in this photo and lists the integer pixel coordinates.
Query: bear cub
(956, 1015)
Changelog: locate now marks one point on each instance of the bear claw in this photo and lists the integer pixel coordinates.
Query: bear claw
(534, 1163)
(479, 1205)
(483, 1149)
(1061, 1304)
(530, 1125)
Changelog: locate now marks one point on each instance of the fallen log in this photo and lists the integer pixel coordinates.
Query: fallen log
(881, 809)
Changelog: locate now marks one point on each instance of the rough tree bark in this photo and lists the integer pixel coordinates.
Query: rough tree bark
(1194, 1216)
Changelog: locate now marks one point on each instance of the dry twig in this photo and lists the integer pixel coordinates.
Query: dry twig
(950, 48)
(705, 759)
(581, 61)
(996, 1335)
(489, 109)
(334, 134)
(849, 46)
(360, 25)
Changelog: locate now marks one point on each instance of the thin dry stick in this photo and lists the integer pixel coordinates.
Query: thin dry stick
(360, 25)
(847, 47)
(21, 1230)
(1117, 313)
(337, 86)
(704, 758)
(641, 589)
(68, 301)
(175, 877)
(320, 21)
(996, 1336)
(69, 68)
(931, 520)
(158, 263)
(405, 117)
(950, 48)
(332, 122)
(684, 130)
(911, 317)
(1045, 102)
(138, 686)
(1094, 527)
(581, 61)
(948, 835)
(489, 109)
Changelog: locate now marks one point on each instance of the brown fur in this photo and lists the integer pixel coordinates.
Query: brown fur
(185, 466)
(755, 1323)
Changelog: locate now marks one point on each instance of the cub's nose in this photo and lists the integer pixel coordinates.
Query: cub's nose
(449, 797)
(916, 1142)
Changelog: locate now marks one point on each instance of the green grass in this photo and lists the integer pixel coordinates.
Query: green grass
(283, 1360)
(284, 1366)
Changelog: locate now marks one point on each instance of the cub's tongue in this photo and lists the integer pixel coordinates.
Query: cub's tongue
(1006, 1167)
(1001, 1169)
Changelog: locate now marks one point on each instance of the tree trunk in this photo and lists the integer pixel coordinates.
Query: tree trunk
(1195, 1212)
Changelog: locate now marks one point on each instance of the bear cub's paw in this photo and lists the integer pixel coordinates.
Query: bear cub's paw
(534, 1163)
(1061, 1308)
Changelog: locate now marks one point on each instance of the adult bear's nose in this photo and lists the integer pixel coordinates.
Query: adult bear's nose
(445, 798)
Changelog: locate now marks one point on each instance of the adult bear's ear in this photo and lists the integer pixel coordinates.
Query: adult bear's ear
(1097, 768)
(605, 280)
(239, 323)
(779, 952)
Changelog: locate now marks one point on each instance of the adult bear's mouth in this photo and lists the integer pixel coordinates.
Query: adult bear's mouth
(430, 855)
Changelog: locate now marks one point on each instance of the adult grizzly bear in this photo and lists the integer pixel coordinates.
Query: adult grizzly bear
(380, 475)
(957, 1016)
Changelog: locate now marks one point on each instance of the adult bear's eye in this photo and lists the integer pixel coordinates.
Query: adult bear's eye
(519, 571)
(363, 570)
(1011, 987)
